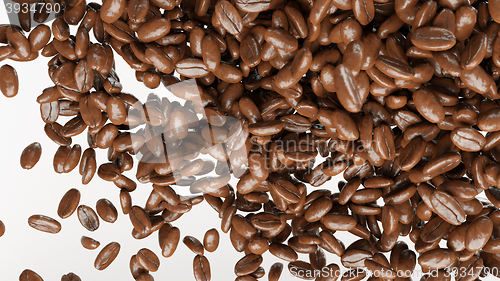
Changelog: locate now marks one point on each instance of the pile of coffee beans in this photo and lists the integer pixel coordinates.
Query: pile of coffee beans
(397, 96)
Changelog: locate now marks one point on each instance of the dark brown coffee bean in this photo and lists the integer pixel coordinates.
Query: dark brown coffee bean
(433, 38)
(89, 243)
(2, 228)
(468, 139)
(153, 29)
(70, 277)
(29, 275)
(447, 207)
(9, 86)
(275, 271)
(201, 268)
(168, 237)
(106, 210)
(211, 240)
(148, 260)
(30, 155)
(140, 220)
(125, 201)
(69, 203)
(107, 255)
(194, 245)
(88, 165)
(478, 233)
(437, 258)
(228, 17)
(283, 252)
(247, 265)
(88, 218)
(44, 223)
(339, 222)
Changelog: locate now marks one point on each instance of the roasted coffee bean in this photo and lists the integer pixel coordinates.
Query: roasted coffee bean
(148, 260)
(88, 218)
(301, 266)
(112, 10)
(28, 275)
(194, 245)
(140, 220)
(468, 139)
(283, 252)
(437, 258)
(153, 29)
(135, 268)
(30, 155)
(9, 85)
(211, 240)
(168, 237)
(89, 243)
(433, 38)
(247, 265)
(69, 203)
(201, 268)
(228, 17)
(478, 233)
(2, 228)
(70, 277)
(44, 223)
(106, 210)
(447, 207)
(275, 271)
(354, 258)
(107, 255)
(88, 165)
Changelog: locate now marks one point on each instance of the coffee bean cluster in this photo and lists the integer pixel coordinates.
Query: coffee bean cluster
(398, 96)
